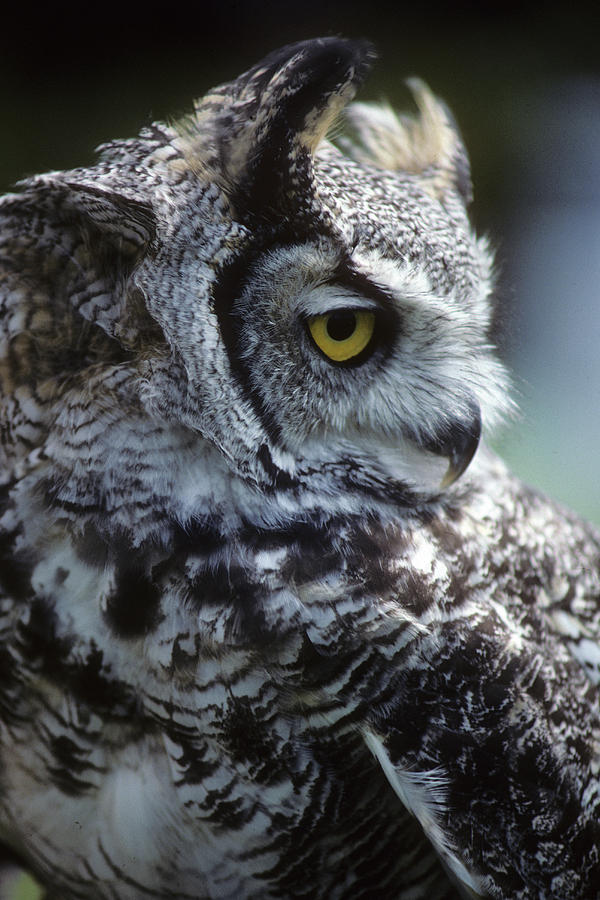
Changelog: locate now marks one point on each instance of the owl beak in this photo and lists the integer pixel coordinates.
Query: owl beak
(458, 444)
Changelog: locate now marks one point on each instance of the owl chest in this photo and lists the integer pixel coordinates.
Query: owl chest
(158, 726)
(208, 792)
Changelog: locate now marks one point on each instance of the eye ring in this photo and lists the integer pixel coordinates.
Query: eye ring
(343, 334)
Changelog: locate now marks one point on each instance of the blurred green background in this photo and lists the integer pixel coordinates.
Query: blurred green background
(523, 81)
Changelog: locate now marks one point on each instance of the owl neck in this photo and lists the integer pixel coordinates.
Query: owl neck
(174, 491)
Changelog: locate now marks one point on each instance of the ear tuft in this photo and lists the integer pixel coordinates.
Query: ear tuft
(257, 134)
(428, 145)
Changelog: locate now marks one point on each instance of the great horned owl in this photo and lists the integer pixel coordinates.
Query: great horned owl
(272, 624)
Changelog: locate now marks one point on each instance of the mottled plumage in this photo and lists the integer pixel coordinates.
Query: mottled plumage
(272, 624)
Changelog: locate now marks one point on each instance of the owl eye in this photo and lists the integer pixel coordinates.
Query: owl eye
(343, 334)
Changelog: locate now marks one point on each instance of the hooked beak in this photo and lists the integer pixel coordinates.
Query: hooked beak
(457, 443)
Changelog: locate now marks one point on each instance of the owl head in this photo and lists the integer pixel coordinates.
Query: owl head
(316, 315)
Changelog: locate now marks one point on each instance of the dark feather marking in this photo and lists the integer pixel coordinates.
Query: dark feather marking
(15, 569)
(281, 480)
(133, 608)
(41, 645)
(250, 740)
(11, 709)
(39, 641)
(227, 290)
(93, 686)
(69, 766)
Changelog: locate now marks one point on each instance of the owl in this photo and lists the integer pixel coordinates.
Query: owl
(274, 622)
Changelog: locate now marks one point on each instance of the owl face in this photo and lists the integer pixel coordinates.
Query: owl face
(317, 315)
(332, 306)
(354, 355)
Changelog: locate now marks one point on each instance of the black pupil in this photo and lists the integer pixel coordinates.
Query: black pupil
(341, 325)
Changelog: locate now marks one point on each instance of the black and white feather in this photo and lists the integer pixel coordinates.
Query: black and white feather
(273, 621)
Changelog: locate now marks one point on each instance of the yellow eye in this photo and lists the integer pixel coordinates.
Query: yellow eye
(343, 333)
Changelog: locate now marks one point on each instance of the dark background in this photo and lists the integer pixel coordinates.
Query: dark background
(73, 76)
(523, 81)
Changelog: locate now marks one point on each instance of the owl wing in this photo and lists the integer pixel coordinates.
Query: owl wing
(491, 738)
(572, 607)
(423, 793)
